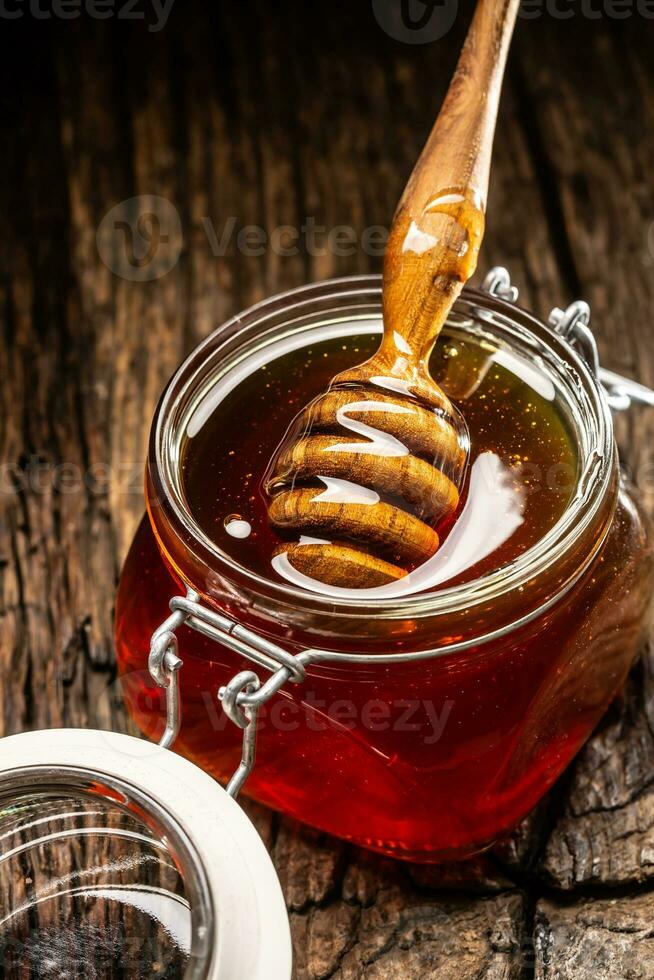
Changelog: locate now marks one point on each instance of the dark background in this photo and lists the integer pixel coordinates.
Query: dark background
(270, 114)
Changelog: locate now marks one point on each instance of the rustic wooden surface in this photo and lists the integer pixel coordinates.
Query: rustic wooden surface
(272, 113)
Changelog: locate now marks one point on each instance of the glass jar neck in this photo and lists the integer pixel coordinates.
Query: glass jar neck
(464, 613)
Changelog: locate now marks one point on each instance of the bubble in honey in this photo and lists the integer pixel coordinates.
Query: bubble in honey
(237, 527)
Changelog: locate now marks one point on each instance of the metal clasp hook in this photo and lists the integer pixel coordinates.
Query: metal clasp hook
(246, 717)
(243, 696)
(573, 324)
(498, 283)
(164, 666)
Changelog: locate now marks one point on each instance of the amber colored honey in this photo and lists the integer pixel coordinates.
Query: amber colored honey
(223, 465)
(425, 760)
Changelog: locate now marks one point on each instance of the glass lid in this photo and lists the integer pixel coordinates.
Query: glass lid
(119, 859)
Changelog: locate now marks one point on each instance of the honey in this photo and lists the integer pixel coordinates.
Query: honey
(433, 717)
(520, 446)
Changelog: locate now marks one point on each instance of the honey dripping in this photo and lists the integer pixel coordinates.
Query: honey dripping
(522, 464)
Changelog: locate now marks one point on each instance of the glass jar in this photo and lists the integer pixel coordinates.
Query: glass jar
(423, 727)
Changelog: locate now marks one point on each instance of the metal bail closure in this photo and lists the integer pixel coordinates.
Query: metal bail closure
(498, 283)
(129, 860)
(242, 697)
(164, 666)
(573, 324)
(245, 717)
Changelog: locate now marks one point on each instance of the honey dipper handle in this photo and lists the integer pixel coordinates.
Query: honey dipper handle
(438, 227)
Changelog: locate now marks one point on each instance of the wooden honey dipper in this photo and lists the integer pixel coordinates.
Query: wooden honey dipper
(366, 472)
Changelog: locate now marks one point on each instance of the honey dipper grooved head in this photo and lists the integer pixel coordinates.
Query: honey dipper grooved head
(359, 483)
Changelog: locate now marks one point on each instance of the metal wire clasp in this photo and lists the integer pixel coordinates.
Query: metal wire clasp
(573, 324)
(242, 697)
(164, 666)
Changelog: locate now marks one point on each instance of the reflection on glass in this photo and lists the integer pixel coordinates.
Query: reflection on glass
(88, 891)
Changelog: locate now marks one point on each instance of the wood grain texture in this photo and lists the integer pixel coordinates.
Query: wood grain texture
(438, 228)
(272, 116)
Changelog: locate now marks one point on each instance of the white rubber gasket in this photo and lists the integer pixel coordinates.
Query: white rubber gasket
(252, 934)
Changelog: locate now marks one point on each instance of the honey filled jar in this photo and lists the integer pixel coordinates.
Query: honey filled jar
(425, 717)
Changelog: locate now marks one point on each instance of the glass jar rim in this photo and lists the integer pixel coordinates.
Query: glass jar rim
(594, 484)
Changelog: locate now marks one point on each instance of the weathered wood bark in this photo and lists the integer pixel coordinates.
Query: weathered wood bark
(602, 938)
(297, 115)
